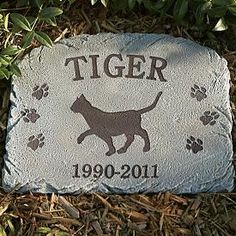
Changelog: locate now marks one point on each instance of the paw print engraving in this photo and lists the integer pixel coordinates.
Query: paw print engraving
(36, 142)
(40, 91)
(30, 115)
(198, 92)
(209, 118)
(195, 145)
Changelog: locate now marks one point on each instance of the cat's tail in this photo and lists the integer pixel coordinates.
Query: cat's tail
(152, 106)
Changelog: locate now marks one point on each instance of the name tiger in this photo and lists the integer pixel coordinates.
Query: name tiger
(116, 65)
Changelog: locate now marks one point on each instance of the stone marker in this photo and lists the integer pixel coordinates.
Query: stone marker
(120, 114)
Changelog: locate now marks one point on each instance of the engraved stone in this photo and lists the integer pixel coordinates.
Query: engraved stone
(120, 113)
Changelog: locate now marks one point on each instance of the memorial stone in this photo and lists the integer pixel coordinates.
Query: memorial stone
(120, 113)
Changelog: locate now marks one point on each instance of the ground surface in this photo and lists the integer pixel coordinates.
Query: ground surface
(99, 214)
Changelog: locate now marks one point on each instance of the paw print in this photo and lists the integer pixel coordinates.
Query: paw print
(209, 118)
(30, 115)
(198, 92)
(195, 145)
(36, 142)
(40, 92)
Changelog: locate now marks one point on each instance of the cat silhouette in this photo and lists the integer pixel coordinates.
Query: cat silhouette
(108, 124)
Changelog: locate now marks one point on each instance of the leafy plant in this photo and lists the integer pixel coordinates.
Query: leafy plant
(6, 225)
(205, 15)
(15, 27)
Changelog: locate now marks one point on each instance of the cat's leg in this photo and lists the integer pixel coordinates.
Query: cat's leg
(130, 139)
(143, 133)
(109, 143)
(83, 135)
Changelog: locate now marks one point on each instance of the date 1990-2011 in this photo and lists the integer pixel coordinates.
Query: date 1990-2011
(109, 171)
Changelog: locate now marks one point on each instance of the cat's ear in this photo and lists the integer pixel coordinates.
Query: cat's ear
(81, 97)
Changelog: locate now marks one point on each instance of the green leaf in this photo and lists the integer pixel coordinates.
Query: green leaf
(10, 50)
(232, 10)
(93, 2)
(44, 230)
(6, 21)
(2, 230)
(51, 21)
(31, 19)
(131, 4)
(104, 2)
(4, 5)
(15, 29)
(154, 6)
(38, 3)
(222, 2)
(50, 12)
(61, 233)
(11, 227)
(180, 9)
(5, 60)
(20, 21)
(26, 41)
(43, 39)
(15, 70)
(217, 12)
(221, 25)
(200, 13)
(4, 73)
(167, 6)
(206, 6)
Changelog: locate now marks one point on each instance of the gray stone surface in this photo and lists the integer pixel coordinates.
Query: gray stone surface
(153, 117)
